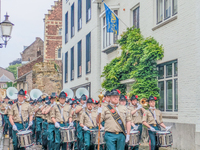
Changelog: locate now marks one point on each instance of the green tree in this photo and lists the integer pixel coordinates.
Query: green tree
(138, 60)
(13, 69)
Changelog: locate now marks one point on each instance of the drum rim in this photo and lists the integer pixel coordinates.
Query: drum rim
(27, 131)
(163, 132)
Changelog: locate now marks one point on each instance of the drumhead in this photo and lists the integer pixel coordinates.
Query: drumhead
(24, 132)
(96, 130)
(133, 131)
(163, 132)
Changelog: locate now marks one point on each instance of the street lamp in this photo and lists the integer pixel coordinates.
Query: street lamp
(6, 29)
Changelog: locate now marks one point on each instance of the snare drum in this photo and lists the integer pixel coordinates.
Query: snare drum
(134, 138)
(164, 138)
(94, 137)
(67, 134)
(25, 138)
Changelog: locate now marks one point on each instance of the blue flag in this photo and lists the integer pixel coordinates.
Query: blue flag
(112, 20)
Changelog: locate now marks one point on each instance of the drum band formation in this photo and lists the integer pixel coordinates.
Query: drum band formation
(81, 123)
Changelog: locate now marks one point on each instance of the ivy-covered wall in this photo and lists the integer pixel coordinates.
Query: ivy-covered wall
(138, 60)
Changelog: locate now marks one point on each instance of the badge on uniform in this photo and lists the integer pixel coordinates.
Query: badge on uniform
(119, 121)
(112, 110)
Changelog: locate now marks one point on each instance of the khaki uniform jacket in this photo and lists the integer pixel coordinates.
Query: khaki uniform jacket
(45, 116)
(148, 117)
(4, 105)
(39, 112)
(110, 123)
(75, 117)
(80, 113)
(85, 120)
(8, 110)
(49, 120)
(137, 117)
(26, 111)
(57, 114)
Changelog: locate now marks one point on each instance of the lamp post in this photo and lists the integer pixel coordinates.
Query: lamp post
(6, 29)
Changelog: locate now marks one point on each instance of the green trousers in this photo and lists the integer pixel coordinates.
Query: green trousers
(33, 129)
(10, 129)
(39, 129)
(6, 120)
(58, 143)
(44, 134)
(114, 141)
(79, 145)
(14, 133)
(152, 139)
(50, 136)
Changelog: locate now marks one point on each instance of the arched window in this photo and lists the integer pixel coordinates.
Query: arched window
(59, 53)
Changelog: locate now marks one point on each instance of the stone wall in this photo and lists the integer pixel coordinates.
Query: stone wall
(28, 67)
(46, 78)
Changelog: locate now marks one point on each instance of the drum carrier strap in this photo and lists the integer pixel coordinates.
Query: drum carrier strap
(21, 116)
(155, 119)
(90, 118)
(117, 118)
(62, 116)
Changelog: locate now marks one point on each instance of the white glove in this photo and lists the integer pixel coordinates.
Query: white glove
(99, 110)
(40, 106)
(168, 128)
(57, 125)
(14, 127)
(135, 127)
(85, 128)
(102, 129)
(52, 105)
(127, 138)
(71, 124)
(30, 123)
(6, 108)
(9, 107)
(152, 129)
(139, 107)
(84, 105)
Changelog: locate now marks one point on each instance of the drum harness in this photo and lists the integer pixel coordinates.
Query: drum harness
(90, 119)
(21, 116)
(155, 120)
(62, 116)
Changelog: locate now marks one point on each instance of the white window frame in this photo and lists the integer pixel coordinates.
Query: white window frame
(165, 79)
(163, 11)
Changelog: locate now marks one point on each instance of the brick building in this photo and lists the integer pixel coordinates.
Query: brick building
(43, 53)
(5, 76)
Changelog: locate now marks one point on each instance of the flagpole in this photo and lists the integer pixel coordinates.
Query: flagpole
(115, 15)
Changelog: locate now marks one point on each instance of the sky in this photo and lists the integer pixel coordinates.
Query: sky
(27, 17)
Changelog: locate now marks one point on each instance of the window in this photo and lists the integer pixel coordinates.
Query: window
(66, 67)
(79, 58)
(66, 27)
(79, 14)
(59, 53)
(166, 9)
(72, 63)
(88, 53)
(72, 21)
(174, 7)
(108, 37)
(88, 10)
(168, 86)
(136, 17)
(60, 31)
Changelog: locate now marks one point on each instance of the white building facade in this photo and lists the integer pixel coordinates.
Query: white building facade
(173, 23)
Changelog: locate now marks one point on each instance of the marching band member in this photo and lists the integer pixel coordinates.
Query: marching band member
(32, 103)
(45, 123)
(10, 103)
(19, 115)
(107, 99)
(79, 110)
(117, 120)
(122, 100)
(39, 121)
(4, 108)
(136, 116)
(51, 127)
(61, 117)
(152, 119)
(88, 122)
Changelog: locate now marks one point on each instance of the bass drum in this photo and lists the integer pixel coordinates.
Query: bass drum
(164, 138)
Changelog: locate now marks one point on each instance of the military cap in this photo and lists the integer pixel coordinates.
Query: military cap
(133, 97)
(89, 100)
(46, 98)
(40, 99)
(21, 92)
(107, 93)
(62, 95)
(152, 98)
(114, 92)
(122, 98)
(7, 97)
(10, 103)
(53, 95)
(83, 97)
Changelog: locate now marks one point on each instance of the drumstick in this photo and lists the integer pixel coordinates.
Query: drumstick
(100, 100)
